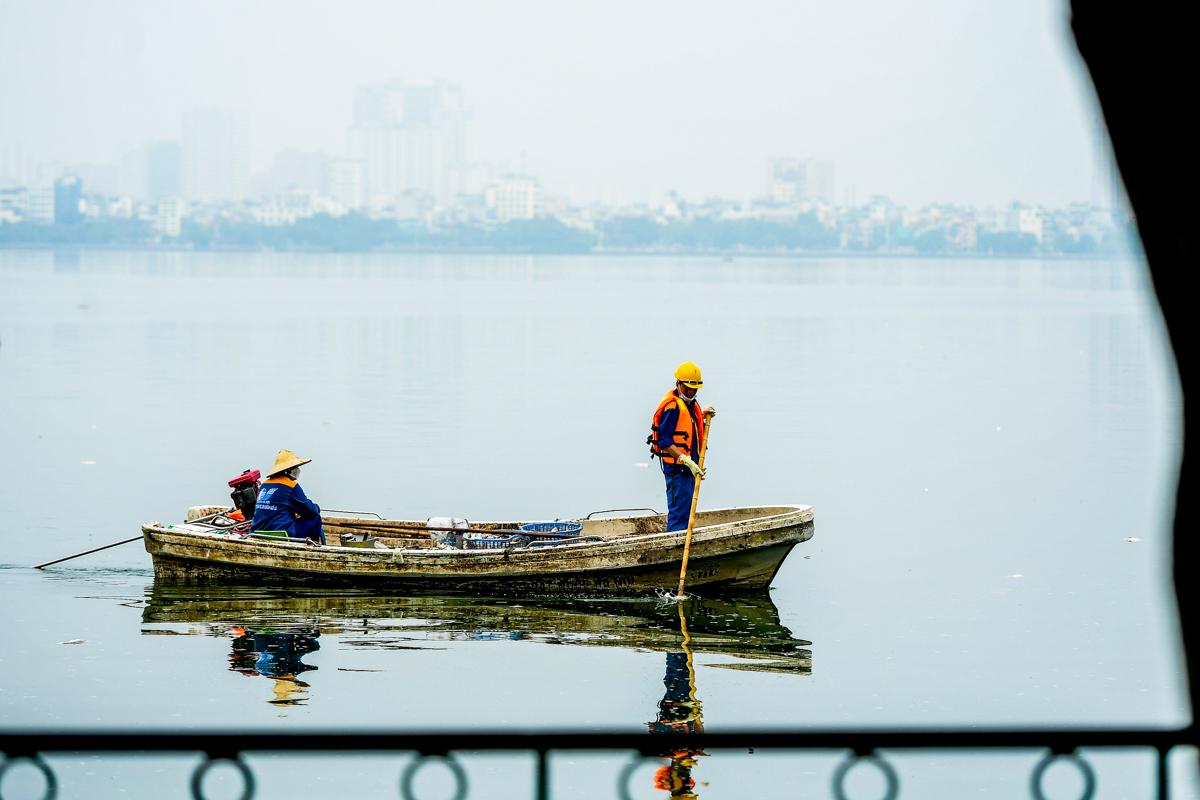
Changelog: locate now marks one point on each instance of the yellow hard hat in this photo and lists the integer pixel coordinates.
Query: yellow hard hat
(689, 375)
(285, 460)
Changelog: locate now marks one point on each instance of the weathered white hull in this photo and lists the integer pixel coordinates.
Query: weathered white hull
(732, 549)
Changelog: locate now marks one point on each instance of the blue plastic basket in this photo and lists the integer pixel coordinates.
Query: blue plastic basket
(567, 528)
(483, 543)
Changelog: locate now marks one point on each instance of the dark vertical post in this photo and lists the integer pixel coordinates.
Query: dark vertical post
(541, 789)
(1141, 60)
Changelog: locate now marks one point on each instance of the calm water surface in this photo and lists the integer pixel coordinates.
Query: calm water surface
(988, 447)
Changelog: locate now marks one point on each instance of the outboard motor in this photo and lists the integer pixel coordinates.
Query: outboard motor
(245, 492)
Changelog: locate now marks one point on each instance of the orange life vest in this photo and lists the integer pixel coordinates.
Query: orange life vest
(689, 428)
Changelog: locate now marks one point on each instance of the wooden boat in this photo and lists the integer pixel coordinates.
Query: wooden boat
(733, 549)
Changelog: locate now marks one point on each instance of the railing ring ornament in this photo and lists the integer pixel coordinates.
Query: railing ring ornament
(203, 768)
(891, 779)
(631, 766)
(409, 775)
(41, 766)
(1085, 769)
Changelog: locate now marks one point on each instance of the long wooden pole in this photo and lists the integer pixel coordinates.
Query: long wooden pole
(687, 542)
(425, 529)
(85, 552)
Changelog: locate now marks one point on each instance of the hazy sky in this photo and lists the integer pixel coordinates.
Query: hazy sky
(925, 100)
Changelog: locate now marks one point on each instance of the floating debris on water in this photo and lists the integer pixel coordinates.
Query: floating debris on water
(642, 464)
(1016, 575)
(88, 463)
(1132, 539)
(72, 641)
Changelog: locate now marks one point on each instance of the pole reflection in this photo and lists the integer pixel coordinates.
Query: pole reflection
(679, 711)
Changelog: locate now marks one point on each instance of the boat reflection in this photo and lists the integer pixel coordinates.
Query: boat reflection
(272, 629)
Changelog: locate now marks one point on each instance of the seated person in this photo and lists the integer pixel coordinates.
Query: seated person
(282, 504)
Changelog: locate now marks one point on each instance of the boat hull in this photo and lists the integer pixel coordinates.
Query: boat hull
(740, 555)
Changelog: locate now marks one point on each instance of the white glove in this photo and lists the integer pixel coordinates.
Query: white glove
(696, 469)
(709, 411)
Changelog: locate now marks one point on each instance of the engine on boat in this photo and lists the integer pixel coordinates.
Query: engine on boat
(245, 492)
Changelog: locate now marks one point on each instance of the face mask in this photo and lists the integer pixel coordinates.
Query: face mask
(684, 390)
(296, 474)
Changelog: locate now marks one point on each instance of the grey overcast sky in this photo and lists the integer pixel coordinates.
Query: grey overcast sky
(973, 101)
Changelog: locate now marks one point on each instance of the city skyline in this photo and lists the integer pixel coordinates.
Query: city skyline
(390, 158)
(932, 103)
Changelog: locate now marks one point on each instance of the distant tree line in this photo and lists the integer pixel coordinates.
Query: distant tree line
(805, 232)
(542, 235)
(93, 232)
(1002, 243)
(358, 232)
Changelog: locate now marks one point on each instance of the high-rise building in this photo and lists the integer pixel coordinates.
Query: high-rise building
(68, 192)
(514, 197)
(215, 152)
(800, 180)
(409, 136)
(152, 172)
(14, 204)
(163, 166)
(100, 179)
(40, 203)
(131, 175)
(1025, 219)
(291, 170)
(343, 181)
(168, 219)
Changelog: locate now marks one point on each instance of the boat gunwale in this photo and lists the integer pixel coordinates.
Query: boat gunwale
(703, 534)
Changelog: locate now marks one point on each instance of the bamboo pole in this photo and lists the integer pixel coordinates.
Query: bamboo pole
(85, 552)
(422, 529)
(687, 542)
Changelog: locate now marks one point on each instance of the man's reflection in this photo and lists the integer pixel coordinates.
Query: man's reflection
(679, 712)
(277, 655)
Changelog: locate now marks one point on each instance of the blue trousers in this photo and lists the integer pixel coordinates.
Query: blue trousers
(311, 529)
(680, 485)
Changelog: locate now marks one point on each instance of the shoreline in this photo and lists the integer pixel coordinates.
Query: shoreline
(724, 255)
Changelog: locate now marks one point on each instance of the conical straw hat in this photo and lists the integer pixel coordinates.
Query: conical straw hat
(284, 461)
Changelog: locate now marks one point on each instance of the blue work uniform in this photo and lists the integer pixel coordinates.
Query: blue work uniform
(681, 483)
(678, 711)
(279, 654)
(283, 506)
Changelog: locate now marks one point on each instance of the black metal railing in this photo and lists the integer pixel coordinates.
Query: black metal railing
(862, 748)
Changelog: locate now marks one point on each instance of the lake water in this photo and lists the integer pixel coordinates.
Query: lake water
(989, 448)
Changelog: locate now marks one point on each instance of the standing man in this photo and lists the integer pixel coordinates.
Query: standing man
(676, 434)
(282, 504)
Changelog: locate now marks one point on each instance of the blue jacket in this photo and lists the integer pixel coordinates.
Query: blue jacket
(281, 502)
